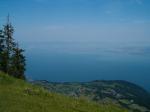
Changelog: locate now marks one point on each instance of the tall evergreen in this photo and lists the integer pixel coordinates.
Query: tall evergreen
(3, 53)
(9, 44)
(2, 46)
(12, 60)
(18, 62)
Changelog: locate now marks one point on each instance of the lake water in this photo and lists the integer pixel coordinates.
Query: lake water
(87, 61)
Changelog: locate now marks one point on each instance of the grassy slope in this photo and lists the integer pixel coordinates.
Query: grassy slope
(19, 96)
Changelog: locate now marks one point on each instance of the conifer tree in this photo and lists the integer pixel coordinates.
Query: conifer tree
(1, 42)
(1, 50)
(18, 62)
(3, 53)
(9, 45)
(12, 60)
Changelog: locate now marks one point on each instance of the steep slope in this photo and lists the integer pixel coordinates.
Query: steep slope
(126, 94)
(19, 96)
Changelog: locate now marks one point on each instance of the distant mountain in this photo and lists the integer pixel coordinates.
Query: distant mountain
(119, 92)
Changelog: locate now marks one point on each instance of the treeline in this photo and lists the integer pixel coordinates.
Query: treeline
(12, 59)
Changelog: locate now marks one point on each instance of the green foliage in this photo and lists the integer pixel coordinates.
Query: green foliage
(2, 51)
(18, 96)
(18, 60)
(12, 60)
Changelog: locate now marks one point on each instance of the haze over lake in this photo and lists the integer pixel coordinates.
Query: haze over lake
(87, 61)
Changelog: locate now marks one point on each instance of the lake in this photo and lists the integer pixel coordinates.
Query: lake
(87, 61)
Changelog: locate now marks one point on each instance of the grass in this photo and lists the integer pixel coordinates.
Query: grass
(19, 96)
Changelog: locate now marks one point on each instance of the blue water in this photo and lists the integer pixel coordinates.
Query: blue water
(77, 61)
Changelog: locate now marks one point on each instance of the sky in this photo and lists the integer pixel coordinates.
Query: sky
(78, 20)
(116, 32)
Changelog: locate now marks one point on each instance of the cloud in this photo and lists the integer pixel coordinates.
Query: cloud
(134, 50)
(139, 21)
(53, 27)
(108, 12)
(40, 1)
(140, 2)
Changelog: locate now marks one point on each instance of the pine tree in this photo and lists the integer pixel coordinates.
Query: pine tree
(18, 62)
(1, 42)
(1, 50)
(12, 60)
(9, 45)
(3, 53)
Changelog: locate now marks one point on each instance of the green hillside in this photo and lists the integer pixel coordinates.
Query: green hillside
(119, 92)
(18, 96)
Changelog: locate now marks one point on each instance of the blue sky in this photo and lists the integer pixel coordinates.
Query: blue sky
(78, 20)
